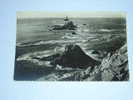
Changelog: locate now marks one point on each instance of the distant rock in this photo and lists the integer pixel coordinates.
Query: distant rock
(74, 33)
(69, 25)
(84, 24)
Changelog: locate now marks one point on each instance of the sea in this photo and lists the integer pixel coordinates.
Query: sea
(35, 38)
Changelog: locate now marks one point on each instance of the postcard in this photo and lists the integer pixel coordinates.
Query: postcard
(71, 46)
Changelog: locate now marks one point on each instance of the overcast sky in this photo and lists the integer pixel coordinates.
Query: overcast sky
(26, 14)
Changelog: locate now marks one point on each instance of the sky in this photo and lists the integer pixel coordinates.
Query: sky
(29, 14)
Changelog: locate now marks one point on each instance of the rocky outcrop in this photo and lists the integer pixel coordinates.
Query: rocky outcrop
(74, 56)
(113, 68)
(69, 25)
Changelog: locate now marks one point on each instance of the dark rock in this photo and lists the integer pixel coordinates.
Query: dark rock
(57, 27)
(69, 25)
(95, 52)
(74, 56)
(116, 66)
(84, 24)
(110, 45)
(73, 33)
(112, 68)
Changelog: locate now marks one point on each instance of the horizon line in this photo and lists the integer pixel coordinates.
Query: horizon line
(27, 14)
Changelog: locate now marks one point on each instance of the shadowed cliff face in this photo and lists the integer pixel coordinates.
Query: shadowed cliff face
(74, 56)
(112, 68)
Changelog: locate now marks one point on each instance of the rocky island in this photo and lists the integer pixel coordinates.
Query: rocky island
(68, 25)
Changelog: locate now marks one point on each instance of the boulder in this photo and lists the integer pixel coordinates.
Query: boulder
(74, 56)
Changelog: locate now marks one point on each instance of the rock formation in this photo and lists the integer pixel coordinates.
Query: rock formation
(112, 68)
(74, 56)
(69, 25)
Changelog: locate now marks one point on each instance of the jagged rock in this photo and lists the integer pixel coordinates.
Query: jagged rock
(74, 56)
(115, 67)
(69, 25)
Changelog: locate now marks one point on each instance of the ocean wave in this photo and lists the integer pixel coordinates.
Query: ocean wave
(67, 38)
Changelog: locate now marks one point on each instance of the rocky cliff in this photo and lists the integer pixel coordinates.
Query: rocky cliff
(112, 68)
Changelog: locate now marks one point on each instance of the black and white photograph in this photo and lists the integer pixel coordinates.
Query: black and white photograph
(71, 46)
